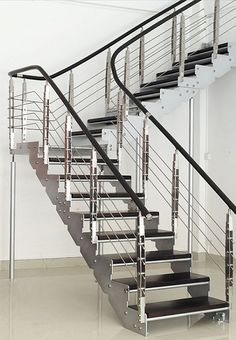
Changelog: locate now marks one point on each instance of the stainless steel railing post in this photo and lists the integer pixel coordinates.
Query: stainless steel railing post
(182, 48)
(141, 59)
(24, 112)
(175, 193)
(120, 126)
(229, 258)
(12, 219)
(141, 268)
(126, 82)
(71, 89)
(46, 123)
(68, 156)
(93, 195)
(11, 115)
(145, 157)
(216, 28)
(174, 40)
(108, 81)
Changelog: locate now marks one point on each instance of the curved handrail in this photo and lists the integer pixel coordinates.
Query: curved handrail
(93, 141)
(105, 47)
(174, 142)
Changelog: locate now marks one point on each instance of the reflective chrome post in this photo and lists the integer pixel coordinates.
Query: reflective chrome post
(175, 193)
(190, 174)
(11, 115)
(45, 123)
(12, 219)
(229, 258)
(93, 195)
(145, 158)
(108, 81)
(120, 126)
(174, 40)
(24, 112)
(182, 48)
(71, 89)
(216, 28)
(100, 210)
(68, 140)
(126, 82)
(141, 268)
(68, 156)
(141, 59)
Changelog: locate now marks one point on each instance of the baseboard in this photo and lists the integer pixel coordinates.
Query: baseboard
(44, 263)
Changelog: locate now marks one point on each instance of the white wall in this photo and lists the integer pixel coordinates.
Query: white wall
(222, 144)
(53, 34)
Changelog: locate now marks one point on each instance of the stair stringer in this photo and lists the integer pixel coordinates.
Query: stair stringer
(170, 99)
(103, 271)
(189, 87)
(51, 185)
(118, 296)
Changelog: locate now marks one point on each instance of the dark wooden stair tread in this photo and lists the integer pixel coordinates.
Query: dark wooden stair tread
(153, 92)
(151, 256)
(103, 120)
(160, 85)
(161, 77)
(94, 132)
(191, 65)
(79, 160)
(111, 178)
(117, 195)
(120, 214)
(166, 280)
(183, 306)
(206, 54)
(129, 235)
(208, 49)
(145, 97)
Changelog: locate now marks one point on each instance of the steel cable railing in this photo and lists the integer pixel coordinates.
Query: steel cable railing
(164, 174)
(186, 212)
(107, 235)
(155, 175)
(114, 232)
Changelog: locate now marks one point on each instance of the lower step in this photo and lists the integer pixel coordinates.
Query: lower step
(116, 215)
(107, 120)
(151, 257)
(173, 280)
(93, 132)
(129, 235)
(101, 178)
(79, 161)
(183, 307)
(145, 97)
(106, 196)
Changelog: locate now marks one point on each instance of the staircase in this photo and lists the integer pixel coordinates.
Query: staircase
(102, 172)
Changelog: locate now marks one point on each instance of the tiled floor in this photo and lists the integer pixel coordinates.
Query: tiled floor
(66, 304)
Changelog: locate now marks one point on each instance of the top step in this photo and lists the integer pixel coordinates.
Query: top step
(208, 49)
(107, 120)
(94, 133)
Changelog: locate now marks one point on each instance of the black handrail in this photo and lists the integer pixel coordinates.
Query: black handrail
(105, 47)
(194, 164)
(93, 141)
